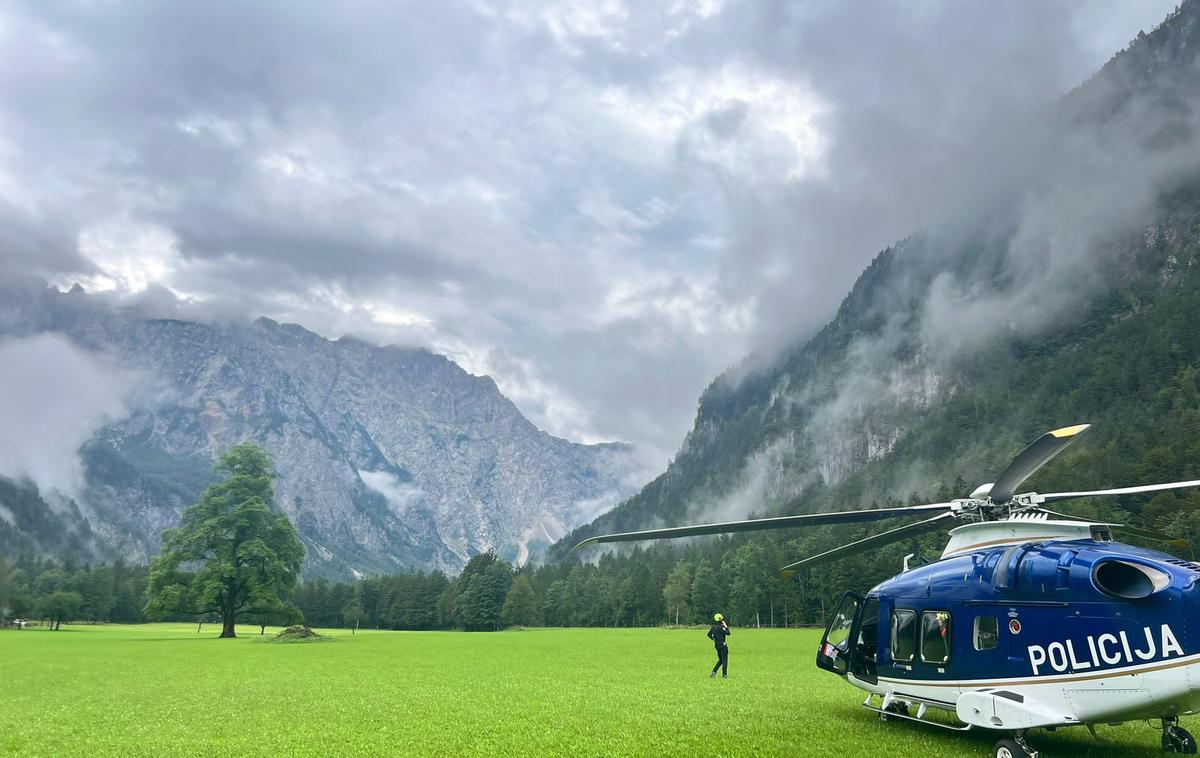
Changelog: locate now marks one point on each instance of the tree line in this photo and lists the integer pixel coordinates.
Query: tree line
(40, 589)
(641, 588)
(234, 558)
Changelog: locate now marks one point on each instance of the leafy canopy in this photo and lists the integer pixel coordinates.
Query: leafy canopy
(232, 555)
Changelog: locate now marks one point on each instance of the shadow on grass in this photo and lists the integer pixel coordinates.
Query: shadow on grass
(1066, 742)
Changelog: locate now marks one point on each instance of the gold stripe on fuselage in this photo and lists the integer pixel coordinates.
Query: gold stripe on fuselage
(1110, 674)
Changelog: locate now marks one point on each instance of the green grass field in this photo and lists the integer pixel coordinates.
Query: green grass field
(164, 690)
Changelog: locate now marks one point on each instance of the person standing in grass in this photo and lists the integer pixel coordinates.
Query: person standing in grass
(717, 633)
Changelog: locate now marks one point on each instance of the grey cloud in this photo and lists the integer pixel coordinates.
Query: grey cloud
(32, 245)
(925, 104)
(584, 204)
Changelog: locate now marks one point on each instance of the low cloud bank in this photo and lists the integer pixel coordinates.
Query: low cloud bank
(54, 396)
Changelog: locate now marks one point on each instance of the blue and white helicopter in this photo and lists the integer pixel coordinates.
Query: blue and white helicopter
(1029, 619)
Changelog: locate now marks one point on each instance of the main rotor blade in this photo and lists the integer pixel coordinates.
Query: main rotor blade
(1135, 531)
(870, 543)
(758, 524)
(1033, 458)
(1053, 496)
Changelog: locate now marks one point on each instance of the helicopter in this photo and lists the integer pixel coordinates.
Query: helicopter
(1029, 619)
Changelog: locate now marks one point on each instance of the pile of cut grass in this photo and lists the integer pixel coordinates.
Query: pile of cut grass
(164, 690)
(299, 633)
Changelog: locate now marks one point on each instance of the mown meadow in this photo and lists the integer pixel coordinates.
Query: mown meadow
(164, 689)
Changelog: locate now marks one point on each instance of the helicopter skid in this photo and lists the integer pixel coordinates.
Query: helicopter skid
(1131, 694)
(922, 710)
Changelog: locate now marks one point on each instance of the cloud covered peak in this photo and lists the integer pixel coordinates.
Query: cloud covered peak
(601, 205)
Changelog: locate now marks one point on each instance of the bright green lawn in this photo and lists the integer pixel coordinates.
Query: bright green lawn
(162, 690)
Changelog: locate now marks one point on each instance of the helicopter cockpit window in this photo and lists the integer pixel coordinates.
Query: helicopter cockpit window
(987, 632)
(935, 637)
(904, 635)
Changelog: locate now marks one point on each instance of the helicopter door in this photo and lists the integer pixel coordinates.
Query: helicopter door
(866, 642)
(834, 652)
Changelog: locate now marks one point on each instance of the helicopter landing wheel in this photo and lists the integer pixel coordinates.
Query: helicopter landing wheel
(1013, 747)
(897, 708)
(1176, 739)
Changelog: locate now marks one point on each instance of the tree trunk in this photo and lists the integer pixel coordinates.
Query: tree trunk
(227, 629)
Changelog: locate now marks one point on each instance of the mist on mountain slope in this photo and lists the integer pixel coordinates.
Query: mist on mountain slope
(1053, 211)
(54, 396)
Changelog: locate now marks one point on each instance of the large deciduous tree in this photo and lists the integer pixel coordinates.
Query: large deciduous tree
(232, 555)
(60, 606)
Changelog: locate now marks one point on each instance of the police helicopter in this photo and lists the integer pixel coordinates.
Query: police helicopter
(1029, 619)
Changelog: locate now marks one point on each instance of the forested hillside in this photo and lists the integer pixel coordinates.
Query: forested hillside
(1070, 297)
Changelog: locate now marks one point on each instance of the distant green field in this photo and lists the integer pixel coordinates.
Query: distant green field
(164, 690)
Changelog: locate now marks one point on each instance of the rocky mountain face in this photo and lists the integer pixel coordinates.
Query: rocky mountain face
(388, 458)
(1045, 301)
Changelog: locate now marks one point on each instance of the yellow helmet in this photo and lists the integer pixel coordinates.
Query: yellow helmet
(718, 617)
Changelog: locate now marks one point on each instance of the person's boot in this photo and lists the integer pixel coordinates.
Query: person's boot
(723, 676)
(713, 675)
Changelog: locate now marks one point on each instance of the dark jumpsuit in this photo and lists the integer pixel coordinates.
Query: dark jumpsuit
(717, 634)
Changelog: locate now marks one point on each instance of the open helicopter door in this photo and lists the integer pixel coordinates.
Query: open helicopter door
(835, 650)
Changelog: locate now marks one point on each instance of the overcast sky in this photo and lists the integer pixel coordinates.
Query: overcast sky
(600, 204)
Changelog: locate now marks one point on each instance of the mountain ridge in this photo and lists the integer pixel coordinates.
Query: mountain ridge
(389, 457)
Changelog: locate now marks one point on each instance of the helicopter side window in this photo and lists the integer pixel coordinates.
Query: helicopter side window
(935, 637)
(839, 630)
(904, 635)
(987, 632)
(868, 629)
(835, 653)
